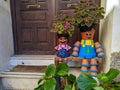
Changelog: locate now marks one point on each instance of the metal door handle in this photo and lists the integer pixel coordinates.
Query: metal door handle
(71, 4)
(36, 6)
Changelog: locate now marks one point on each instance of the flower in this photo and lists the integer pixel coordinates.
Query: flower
(87, 14)
(63, 25)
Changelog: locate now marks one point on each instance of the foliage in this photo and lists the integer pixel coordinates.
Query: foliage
(83, 82)
(107, 79)
(87, 14)
(48, 81)
(62, 24)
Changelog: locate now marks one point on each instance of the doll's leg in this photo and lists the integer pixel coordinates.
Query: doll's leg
(93, 67)
(84, 65)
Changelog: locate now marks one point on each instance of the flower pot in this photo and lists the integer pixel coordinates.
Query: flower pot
(63, 47)
(86, 28)
(63, 35)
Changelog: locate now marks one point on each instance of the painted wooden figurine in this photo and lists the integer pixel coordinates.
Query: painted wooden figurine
(88, 50)
(63, 47)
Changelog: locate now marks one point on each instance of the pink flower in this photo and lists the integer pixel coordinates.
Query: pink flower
(86, 20)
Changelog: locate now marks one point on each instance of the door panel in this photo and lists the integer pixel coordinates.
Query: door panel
(33, 22)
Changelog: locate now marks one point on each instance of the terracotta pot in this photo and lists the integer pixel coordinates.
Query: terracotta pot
(93, 61)
(85, 62)
(86, 28)
(83, 68)
(63, 35)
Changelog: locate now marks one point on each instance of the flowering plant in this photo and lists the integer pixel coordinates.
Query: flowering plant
(87, 13)
(63, 25)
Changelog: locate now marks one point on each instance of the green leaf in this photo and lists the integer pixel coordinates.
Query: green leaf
(72, 78)
(41, 83)
(98, 88)
(117, 84)
(50, 84)
(103, 78)
(112, 74)
(50, 71)
(41, 79)
(73, 87)
(39, 88)
(62, 69)
(84, 81)
(68, 87)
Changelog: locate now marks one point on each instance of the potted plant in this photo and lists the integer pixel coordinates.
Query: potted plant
(83, 82)
(87, 14)
(63, 26)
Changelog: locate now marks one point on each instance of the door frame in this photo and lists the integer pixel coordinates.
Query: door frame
(14, 26)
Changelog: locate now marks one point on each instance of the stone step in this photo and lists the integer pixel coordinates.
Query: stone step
(24, 80)
(36, 60)
(19, 80)
(23, 73)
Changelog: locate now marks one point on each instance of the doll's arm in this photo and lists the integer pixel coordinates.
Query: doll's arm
(76, 49)
(56, 47)
(99, 50)
(69, 47)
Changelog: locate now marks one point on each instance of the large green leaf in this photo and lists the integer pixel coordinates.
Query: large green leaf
(85, 82)
(62, 69)
(98, 88)
(50, 84)
(68, 87)
(50, 71)
(112, 74)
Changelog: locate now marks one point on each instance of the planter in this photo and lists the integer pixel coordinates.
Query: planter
(63, 47)
(86, 28)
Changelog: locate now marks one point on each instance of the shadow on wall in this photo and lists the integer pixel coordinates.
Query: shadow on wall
(106, 38)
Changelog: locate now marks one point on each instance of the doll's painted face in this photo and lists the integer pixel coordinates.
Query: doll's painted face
(88, 35)
(63, 40)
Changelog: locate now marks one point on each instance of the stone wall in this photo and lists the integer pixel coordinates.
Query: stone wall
(116, 62)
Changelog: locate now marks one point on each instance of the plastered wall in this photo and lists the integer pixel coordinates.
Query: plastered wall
(6, 39)
(110, 32)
